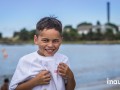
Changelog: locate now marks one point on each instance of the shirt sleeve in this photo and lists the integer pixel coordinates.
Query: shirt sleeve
(66, 61)
(21, 74)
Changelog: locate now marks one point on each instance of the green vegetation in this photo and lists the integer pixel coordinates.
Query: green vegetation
(71, 35)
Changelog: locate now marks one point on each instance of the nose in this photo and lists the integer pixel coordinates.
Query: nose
(50, 44)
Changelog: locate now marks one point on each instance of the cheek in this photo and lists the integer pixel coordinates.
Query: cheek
(42, 46)
(57, 45)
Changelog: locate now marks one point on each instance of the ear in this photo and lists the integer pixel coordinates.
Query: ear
(61, 39)
(35, 39)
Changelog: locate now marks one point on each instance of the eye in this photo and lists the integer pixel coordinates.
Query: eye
(45, 40)
(56, 41)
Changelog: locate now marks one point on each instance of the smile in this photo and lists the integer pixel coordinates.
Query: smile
(50, 50)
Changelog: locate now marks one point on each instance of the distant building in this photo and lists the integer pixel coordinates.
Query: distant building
(119, 27)
(84, 29)
(67, 28)
(103, 28)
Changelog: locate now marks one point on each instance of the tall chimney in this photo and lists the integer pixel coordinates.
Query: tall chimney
(108, 12)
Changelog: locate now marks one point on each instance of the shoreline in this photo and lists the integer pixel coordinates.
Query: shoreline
(100, 87)
(64, 42)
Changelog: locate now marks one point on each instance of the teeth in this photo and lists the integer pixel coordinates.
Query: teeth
(49, 50)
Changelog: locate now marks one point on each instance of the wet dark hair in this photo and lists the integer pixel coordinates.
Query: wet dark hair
(48, 23)
(6, 80)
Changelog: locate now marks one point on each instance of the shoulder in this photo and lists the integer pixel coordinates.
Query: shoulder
(28, 58)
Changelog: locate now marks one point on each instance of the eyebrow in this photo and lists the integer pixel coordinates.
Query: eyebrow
(53, 39)
(44, 38)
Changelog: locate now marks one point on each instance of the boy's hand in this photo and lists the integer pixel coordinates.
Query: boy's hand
(65, 71)
(43, 77)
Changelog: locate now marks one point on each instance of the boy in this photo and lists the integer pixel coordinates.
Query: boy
(5, 84)
(44, 69)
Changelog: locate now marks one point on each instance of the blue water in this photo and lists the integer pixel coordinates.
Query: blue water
(91, 64)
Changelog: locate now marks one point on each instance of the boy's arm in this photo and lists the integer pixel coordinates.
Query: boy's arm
(70, 85)
(28, 85)
(66, 73)
(42, 78)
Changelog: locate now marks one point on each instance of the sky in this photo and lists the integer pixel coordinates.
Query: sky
(18, 14)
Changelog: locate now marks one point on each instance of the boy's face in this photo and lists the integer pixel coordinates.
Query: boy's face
(48, 41)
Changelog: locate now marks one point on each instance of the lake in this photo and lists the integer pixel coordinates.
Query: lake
(91, 64)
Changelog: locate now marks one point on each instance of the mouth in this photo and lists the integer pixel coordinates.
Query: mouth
(50, 51)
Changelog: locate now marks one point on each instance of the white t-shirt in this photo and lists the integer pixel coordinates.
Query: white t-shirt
(30, 65)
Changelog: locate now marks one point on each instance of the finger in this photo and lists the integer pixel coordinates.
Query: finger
(46, 72)
(61, 70)
(48, 76)
(62, 74)
(46, 82)
(43, 71)
(61, 63)
(47, 79)
(61, 66)
(65, 65)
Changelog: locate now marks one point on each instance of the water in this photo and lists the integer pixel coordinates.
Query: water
(91, 64)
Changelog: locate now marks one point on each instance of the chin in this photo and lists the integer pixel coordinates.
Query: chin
(48, 55)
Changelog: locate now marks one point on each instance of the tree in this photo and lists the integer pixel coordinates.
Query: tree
(117, 36)
(98, 23)
(90, 35)
(113, 25)
(98, 34)
(0, 35)
(70, 34)
(109, 35)
(16, 34)
(83, 36)
(32, 33)
(24, 34)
